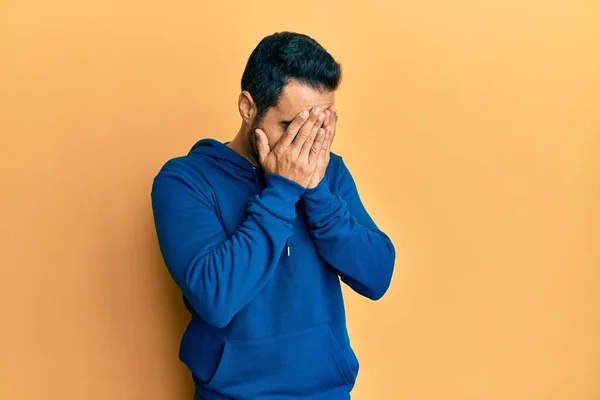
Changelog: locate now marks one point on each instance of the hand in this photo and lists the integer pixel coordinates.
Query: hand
(331, 116)
(295, 155)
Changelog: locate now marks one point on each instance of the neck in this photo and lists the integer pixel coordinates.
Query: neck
(239, 144)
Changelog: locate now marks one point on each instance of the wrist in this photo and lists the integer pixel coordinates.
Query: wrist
(314, 182)
(318, 193)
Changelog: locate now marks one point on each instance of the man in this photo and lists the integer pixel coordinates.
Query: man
(258, 232)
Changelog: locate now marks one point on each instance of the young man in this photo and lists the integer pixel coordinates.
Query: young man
(258, 232)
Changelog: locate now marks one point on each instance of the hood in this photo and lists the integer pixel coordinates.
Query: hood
(234, 163)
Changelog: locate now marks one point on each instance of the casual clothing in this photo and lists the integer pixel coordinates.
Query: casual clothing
(259, 260)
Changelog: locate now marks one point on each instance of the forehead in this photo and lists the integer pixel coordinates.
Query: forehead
(297, 97)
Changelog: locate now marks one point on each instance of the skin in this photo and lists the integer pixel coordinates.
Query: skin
(257, 139)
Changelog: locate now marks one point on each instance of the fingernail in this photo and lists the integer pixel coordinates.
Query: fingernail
(304, 114)
(317, 110)
(321, 117)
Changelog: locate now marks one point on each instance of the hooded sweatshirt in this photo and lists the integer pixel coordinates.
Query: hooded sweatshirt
(259, 259)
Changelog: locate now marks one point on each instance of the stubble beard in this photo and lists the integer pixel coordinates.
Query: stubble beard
(252, 147)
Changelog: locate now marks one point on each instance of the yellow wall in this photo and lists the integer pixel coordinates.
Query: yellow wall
(472, 128)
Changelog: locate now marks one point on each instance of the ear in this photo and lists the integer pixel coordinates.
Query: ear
(247, 107)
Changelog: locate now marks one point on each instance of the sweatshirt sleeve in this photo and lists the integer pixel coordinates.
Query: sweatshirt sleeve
(347, 238)
(219, 275)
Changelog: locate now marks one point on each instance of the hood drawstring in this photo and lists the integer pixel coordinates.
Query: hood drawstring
(255, 173)
(256, 181)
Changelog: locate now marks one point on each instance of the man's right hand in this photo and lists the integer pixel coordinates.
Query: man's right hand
(295, 155)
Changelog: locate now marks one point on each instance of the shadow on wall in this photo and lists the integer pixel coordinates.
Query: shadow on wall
(133, 316)
(171, 322)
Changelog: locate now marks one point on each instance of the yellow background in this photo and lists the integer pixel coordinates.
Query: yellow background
(471, 127)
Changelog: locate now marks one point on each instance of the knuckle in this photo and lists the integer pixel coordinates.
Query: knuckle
(303, 135)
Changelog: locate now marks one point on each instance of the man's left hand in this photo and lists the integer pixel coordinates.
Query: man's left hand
(331, 116)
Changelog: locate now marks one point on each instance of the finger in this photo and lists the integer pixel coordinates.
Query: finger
(262, 145)
(311, 138)
(327, 118)
(329, 136)
(317, 146)
(315, 116)
(334, 117)
(292, 130)
(331, 131)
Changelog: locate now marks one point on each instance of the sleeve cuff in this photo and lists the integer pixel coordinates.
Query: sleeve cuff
(280, 196)
(318, 198)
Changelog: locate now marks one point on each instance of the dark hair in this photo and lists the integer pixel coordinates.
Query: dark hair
(285, 56)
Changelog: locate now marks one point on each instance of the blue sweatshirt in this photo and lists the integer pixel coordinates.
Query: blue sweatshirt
(259, 260)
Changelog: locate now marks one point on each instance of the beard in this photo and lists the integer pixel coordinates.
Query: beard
(252, 147)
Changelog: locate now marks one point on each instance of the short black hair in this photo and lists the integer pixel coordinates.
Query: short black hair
(285, 56)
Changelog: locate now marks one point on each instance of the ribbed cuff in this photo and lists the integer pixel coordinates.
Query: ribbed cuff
(318, 198)
(281, 195)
